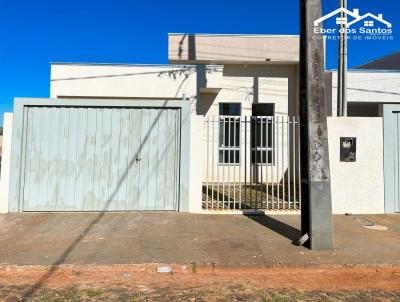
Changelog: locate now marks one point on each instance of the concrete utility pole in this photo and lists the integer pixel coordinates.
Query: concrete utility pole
(342, 66)
(344, 82)
(316, 211)
(340, 60)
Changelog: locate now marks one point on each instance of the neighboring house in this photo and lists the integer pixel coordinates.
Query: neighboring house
(369, 86)
(367, 90)
(388, 62)
(221, 117)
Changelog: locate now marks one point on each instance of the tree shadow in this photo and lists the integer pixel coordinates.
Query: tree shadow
(277, 226)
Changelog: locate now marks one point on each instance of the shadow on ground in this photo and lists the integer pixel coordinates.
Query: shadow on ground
(277, 226)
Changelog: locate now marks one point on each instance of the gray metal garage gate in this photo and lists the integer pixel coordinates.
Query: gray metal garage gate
(391, 118)
(80, 158)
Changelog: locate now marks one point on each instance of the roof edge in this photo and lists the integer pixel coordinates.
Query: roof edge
(377, 58)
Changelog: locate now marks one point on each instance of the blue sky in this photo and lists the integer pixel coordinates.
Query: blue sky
(34, 33)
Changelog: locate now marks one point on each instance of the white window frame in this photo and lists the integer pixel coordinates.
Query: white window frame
(235, 146)
(234, 119)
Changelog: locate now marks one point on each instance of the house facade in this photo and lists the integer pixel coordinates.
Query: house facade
(206, 70)
(236, 99)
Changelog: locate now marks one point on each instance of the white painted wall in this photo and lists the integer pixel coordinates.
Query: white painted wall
(196, 157)
(133, 81)
(5, 162)
(277, 85)
(240, 90)
(126, 81)
(357, 187)
(239, 83)
(123, 81)
(231, 83)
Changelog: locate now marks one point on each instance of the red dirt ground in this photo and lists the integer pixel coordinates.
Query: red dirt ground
(144, 278)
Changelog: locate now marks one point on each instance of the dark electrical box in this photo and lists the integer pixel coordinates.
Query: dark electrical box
(348, 149)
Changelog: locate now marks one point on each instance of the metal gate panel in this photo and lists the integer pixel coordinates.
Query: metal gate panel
(100, 159)
(396, 155)
(114, 183)
(397, 165)
(151, 169)
(143, 151)
(133, 175)
(171, 160)
(251, 163)
(161, 161)
(157, 159)
(391, 119)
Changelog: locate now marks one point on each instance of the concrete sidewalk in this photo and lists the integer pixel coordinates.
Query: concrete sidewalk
(226, 240)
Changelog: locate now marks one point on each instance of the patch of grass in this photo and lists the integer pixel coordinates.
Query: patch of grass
(93, 292)
(70, 294)
(136, 297)
(281, 297)
(214, 293)
(48, 296)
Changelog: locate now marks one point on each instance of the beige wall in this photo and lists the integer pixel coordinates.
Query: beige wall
(215, 84)
(231, 48)
(357, 187)
(123, 81)
(276, 84)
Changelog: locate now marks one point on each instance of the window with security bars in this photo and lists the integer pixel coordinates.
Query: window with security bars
(229, 133)
(262, 134)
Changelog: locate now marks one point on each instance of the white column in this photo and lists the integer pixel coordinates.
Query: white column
(197, 151)
(5, 162)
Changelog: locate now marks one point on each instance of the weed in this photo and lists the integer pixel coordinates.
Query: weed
(92, 292)
(194, 267)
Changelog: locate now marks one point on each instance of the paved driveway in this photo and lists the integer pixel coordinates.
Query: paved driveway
(228, 240)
